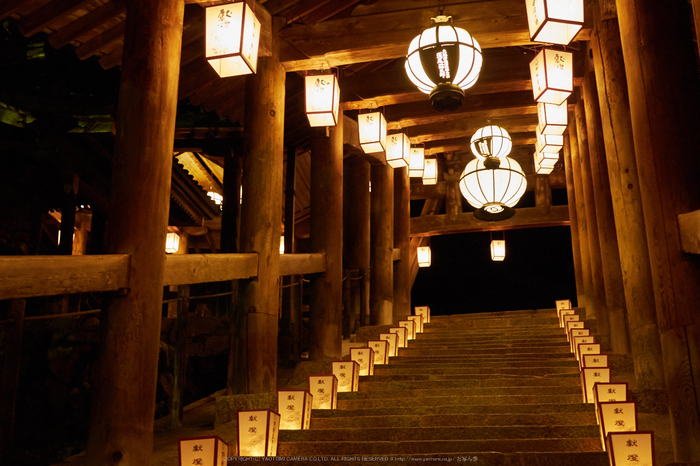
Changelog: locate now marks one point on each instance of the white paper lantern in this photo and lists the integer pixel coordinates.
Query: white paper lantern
(294, 407)
(381, 351)
(416, 162)
(322, 99)
(402, 333)
(424, 256)
(422, 311)
(498, 249)
(548, 143)
(392, 340)
(553, 119)
(398, 149)
(546, 168)
(207, 451)
(372, 127)
(172, 242)
(324, 388)
(616, 416)
(491, 141)
(365, 358)
(348, 375)
(232, 39)
(631, 448)
(430, 172)
(216, 197)
(418, 319)
(443, 61)
(258, 432)
(493, 191)
(552, 76)
(410, 327)
(554, 21)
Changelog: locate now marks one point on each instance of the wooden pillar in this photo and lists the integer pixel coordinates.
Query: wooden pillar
(574, 224)
(325, 291)
(356, 234)
(180, 357)
(287, 318)
(402, 241)
(126, 370)
(586, 300)
(610, 254)
(261, 226)
(598, 282)
(543, 194)
(627, 202)
(70, 190)
(231, 206)
(381, 288)
(664, 95)
(10, 374)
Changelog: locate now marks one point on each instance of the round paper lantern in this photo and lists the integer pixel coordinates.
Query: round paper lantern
(493, 189)
(491, 141)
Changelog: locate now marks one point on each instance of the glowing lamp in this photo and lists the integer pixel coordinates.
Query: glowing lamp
(365, 358)
(443, 61)
(571, 325)
(498, 249)
(553, 118)
(322, 99)
(348, 375)
(577, 332)
(564, 312)
(562, 304)
(594, 360)
(554, 21)
(282, 244)
(582, 340)
(548, 143)
(381, 351)
(591, 376)
(172, 242)
(584, 349)
(207, 451)
(410, 327)
(616, 416)
(258, 432)
(324, 388)
(424, 256)
(392, 340)
(372, 127)
(416, 162)
(625, 448)
(430, 172)
(544, 166)
(493, 187)
(216, 197)
(611, 391)
(398, 149)
(402, 333)
(491, 141)
(231, 39)
(294, 407)
(552, 76)
(419, 322)
(422, 311)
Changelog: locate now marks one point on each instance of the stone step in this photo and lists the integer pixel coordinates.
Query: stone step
(406, 372)
(573, 373)
(501, 334)
(480, 315)
(488, 351)
(496, 322)
(483, 359)
(371, 384)
(490, 399)
(457, 420)
(560, 340)
(451, 364)
(452, 392)
(401, 434)
(315, 448)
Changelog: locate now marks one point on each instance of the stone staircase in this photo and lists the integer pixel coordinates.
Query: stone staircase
(488, 389)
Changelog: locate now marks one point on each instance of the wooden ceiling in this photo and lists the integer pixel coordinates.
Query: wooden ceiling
(365, 39)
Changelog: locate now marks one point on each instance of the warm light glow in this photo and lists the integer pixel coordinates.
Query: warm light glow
(418, 319)
(402, 333)
(548, 143)
(365, 358)
(422, 311)
(216, 197)
(207, 451)
(348, 375)
(294, 407)
(493, 191)
(172, 242)
(424, 256)
(554, 21)
(562, 304)
(416, 162)
(430, 172)
(622, 446)
(282, 244)
(258, 432)
(398, 149)
(498, 249)
(539, 168)
(322, 99)
(324, 388)
(608, 392)
(410, 327)
(372, 127)
(381, 351)
(393, 341)
(616, 416)
(546, 160)
(553, 119)
(231, 39)
(589, 377)
(552, 76)
(491, 141)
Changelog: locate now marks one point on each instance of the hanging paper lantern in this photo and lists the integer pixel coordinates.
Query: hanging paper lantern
(553, 119)
(550, 143)
(424, 256)
(372, 127)
(539, 168)
(430, 172)
(398, 149)
(322, 99)
(416, 162)
(494, 189)
(552, 76)
(554, 21)
(491, 141)
(443, 61)
(232, 39)
(498, 249)
(172, 242)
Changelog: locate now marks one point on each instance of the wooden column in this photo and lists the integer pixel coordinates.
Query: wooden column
(261, 226)
(325, 291)
(70, 190)
(598, 282)
(543, 193)
(10, 374)
(573, 222)
(356, 234)
(231, 206)
(626, 198)
(289, 322)
(610, 254)
(662, 81)
(402, 241)
(586, 300)
(381, 288)
(180, 357)
(125, 373)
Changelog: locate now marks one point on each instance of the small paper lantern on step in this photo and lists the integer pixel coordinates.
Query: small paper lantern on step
(294, 407)
(393, 340)
(348, 375)
(639, 446)
(258, 432)
(324, 388)
(207, 451)
(381, 351)
(365, 358)
(616, 416)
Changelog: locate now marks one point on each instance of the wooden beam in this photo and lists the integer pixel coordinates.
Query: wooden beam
(83, 25)
(467, 127)
(460, 144)
(300, 264)
(25, 277)
(9, 7)
(527, 217)
(48, 13)
(185, 269)
(101, 41)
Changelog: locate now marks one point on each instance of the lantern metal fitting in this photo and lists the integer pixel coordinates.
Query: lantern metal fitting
(493, 190)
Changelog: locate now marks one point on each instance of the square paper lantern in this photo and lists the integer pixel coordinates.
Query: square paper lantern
(616, 416)
(587, 348)
(546, 160)
(398, 149)
(584, 340)
(564, 312)
(410, 327)
(548, 143)
(231, 39)
(381, 351)
(172, 242)
(207, 451)
(573, 324)
(608, 392)
(539, 168)
(565, 318)
(591, 376)
(419, 322)
(348, 375)
(498, 249)
(393, 340)
(365, 358)
(552, 76)
(324, 388)
(424, 256)
(631, 448)
(422, 311)
(322, 99)
(430, 172)
(554, 21)
(562, 304)
(258, 432)
(416, 162)
(593, 360)
(294, 407)
(372, 127)
(553, 119)
(577, 332)
(402, 332)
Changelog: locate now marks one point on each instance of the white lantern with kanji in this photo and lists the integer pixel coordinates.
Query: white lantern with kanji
(591, 376)
(322, 99)
(419, 322)
(381, 351)
(416, 162)
(231, 39)
(324, 388)
(554, 21)
(372, 128)
(402, 332)
(625, 448)
(611, 391)
(206, 451)
(392, 340)
(365, 358)
(498, 249)
(258, 432)
(430, 173)
(424, 256)
(410, 328)
(552, 118)
(422, 311)
(616, 416)
(552, 76)
(348, 375)
(398, 149)
(294, 407)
